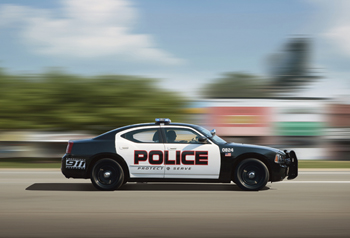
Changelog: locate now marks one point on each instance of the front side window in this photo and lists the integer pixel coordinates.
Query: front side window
(215, 138)
(181, 135)
(143, 136)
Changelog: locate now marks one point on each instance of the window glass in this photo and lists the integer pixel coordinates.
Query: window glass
(143, 136)
(180, 135)
(215, 139)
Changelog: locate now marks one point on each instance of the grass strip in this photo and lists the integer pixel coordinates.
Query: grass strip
(30, 163)
(323, 164)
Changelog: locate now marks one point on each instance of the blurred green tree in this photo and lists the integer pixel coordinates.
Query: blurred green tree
(236, 85)
(60, 101)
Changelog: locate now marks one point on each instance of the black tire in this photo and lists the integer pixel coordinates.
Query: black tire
(107, 174)
(251, 175)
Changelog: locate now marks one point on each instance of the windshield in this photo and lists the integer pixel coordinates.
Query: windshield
(215, 138)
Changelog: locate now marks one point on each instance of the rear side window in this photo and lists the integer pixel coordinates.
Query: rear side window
(143, 136)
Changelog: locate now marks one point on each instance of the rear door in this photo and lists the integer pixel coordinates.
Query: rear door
(142, 148)
(186, 157)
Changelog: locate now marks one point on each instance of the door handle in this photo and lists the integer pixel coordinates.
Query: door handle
(172, 148)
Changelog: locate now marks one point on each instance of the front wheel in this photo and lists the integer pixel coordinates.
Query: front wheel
(251, 174)
(107, 174)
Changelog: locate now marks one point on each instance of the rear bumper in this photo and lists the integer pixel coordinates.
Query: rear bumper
(70, 171)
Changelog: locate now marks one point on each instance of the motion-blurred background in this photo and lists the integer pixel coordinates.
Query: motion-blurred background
(267, 72)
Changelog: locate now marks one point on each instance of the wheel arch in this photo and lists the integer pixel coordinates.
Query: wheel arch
(244, 156)
(113, 156)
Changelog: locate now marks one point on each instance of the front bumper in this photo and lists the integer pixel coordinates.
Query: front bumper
(289, 168)
(292, 163)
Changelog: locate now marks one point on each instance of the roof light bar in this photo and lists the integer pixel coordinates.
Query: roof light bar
(165, 121)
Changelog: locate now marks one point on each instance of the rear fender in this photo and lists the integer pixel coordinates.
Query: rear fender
(116, 157)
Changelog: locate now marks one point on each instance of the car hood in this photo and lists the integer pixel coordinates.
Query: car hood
(254, 147)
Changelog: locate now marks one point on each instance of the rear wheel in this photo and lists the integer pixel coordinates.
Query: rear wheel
(251, 174)
(107, 174)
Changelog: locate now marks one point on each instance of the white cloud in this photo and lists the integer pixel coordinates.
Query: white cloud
(86, 29)
(334, 18)
(341, 37)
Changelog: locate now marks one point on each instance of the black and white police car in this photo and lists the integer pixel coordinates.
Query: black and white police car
(174, 152)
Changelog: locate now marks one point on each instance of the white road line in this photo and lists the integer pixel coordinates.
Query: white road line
(324, 172)
(30, 172)
(315, 182)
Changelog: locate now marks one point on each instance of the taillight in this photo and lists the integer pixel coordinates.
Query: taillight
(69, 147)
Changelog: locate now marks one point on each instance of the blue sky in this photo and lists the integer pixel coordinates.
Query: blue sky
(183, 43)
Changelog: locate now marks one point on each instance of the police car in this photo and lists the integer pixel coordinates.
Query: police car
(174, 152)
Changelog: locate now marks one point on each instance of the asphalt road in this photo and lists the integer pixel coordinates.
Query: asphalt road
(42, 203)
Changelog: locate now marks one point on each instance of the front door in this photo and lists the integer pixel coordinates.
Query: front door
(186, 157)
(143, 151)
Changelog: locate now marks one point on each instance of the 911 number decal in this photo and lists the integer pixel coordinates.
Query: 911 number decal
(72, 163)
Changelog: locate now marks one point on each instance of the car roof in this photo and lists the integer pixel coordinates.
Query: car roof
(111, 134)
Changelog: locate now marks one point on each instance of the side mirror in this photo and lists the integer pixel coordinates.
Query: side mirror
(213, 132)
(202, 139)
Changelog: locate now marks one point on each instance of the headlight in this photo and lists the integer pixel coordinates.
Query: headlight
(279, 159)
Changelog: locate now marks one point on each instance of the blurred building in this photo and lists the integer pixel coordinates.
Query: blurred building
(338, 132)
(286, 123)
